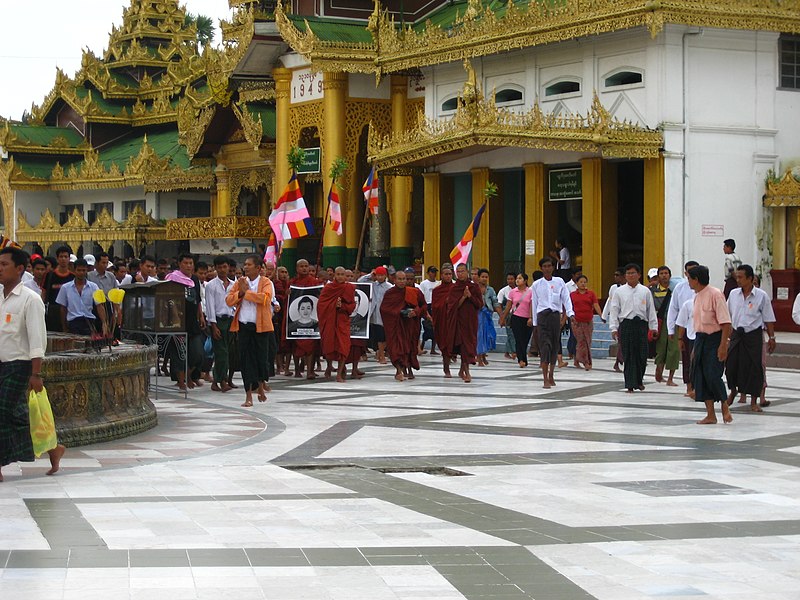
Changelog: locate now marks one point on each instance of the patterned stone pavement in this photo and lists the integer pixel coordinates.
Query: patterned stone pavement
(421, 490)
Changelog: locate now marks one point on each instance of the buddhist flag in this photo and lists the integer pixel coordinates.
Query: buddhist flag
(290, 218)
(370, 190)
(271, 255)
(460, 254)
(336, 210)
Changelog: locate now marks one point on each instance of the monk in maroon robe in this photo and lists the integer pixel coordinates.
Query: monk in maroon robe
(401, 310)
(358, 346)
(442, 324)
(336, 302)
(307, 350)
(464, 301)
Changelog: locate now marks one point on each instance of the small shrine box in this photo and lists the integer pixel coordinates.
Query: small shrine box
(158, 306)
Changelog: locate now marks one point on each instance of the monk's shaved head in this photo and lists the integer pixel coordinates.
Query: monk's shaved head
(400, 279)
(340, 275)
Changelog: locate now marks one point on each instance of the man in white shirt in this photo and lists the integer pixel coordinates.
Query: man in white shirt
(23, 341)
(631, 315)
(751, 311)
(77, 299)
(550, 307)
(147, 270)
(619, 279)
(219, 316)
(680, 294)
(684, 331)
(427, 285)
(379, 287)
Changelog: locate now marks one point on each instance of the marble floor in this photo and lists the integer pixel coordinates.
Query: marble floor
(423, 490)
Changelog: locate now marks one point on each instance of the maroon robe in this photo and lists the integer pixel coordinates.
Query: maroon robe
(402, 333)
(334, 322)
(464, 319)
(442, 324)
(279, 319)
(302, 348)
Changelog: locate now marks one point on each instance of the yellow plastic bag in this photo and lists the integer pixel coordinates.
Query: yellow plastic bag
(43, 426)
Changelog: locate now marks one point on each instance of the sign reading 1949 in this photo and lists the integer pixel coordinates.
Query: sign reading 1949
(306, 86)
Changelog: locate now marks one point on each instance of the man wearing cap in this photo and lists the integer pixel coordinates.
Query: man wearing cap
(380, 286)
(90, 261)
(426, 286)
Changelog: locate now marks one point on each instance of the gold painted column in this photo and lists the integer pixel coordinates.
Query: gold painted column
(654, 220)
(599, 253)
(432, 250)
(334, 88)
(401, 251)
(540, 215)
(487, 248)
(779, 237)
(222, 202)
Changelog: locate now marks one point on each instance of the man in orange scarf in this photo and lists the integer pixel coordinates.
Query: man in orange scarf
(401, 309)
(336, 303)
(463, 303)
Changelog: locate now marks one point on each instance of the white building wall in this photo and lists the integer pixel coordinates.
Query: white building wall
(713, 92)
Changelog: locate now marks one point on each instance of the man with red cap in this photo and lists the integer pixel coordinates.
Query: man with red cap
(377, 335)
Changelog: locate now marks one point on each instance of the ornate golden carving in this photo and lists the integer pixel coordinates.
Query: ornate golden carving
(250, 179)
(482, 31)
(783, 192)
(253, 130)
(192, 125)
(218, 227)
(307, 114)
(481, 123)
(256, 91)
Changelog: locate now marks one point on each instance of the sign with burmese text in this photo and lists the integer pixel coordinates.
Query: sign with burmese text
(565, 184)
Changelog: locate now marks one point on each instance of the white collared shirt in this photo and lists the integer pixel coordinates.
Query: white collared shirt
(686, 319)
(247, 312)
(550, 294)
(78, 305)
(630, 302)
(23, 335)
(427, 289)
(216, 292)
(682, 292)
(752, 312)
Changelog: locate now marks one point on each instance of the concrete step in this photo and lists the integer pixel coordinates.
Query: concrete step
(783, 361)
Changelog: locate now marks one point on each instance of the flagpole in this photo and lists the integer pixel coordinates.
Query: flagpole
(325, 225)
(361, 239)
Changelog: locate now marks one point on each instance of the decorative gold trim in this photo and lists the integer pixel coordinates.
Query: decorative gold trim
(250, 179)
(253, 130)
(478, 122)
(192, 125)
(217, 228)
(783, 192)
(482, 32)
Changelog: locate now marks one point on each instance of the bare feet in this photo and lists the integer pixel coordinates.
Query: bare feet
(399, 376)
(562, 364)
(755, 408)
(247, 403)
(215, 387)
(671, 383)
(616, 368)
(641, 388)
(742, 400)
(226, 387)
(629, 391)
(231, 386)
(765, 403)
(727, 417)
(522, 364)
(55, 459)
(708, 421)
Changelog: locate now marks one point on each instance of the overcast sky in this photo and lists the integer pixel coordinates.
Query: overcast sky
(40, 36)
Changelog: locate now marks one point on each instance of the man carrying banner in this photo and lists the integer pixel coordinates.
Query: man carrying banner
(401, 309)
(336, 302)
(304, 350)
(464, 300)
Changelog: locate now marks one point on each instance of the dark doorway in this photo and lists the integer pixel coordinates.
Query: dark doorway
(630, 220)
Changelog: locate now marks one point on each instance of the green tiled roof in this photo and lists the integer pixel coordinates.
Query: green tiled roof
(164, 143)
(267, 114)
(109, 106)
(334, 31)
(40, 167)
(38, 135)
(446, 16)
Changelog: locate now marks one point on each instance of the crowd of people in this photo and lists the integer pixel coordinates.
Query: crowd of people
(236, 321)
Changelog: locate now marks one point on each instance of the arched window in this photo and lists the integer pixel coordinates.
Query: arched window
(563, 86)
(509, 94)
(449, 105)
(626, 76)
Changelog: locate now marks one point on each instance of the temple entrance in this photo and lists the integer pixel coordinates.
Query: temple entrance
(631, 227)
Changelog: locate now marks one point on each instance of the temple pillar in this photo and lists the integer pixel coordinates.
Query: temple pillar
(599, 222)
(352, 202)
(283, 83)
(438, 220)
(654, 221)
(540, 216)
(487, 247)
(222, 201)
(778, 237)
(334, 86)
(400, 249)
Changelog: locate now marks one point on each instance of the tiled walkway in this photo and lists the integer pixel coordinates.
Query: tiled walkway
(430, 489)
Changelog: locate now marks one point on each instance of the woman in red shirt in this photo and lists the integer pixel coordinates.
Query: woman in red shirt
(584, 302)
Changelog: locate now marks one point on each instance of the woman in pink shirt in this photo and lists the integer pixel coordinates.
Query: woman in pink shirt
(519, 305)
(585, 305)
